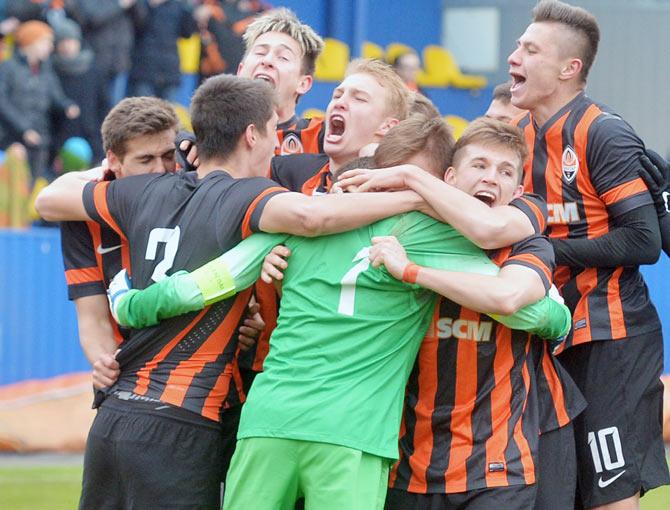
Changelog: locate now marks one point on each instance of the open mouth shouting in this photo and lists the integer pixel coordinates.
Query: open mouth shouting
(518, 80)
(486, 196)
(335, 128)
(265, 77)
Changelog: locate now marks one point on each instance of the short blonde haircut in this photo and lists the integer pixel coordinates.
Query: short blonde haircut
(492, 132)
(397, 95)
(285, 21)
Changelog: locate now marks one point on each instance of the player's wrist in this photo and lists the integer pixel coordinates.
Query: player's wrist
(410, 273)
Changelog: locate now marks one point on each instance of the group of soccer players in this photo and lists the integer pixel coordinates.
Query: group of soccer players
(366, 364)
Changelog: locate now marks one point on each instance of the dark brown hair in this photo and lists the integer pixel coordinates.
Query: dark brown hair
(580, 21)
(133, 117)
(222, 108)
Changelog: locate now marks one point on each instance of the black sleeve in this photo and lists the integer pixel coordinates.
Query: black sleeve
(181, 154)
(112, 203)
(535, 253)
(664, 225)
(535, 208)
(613, 157)
(633, 240)
(82, 273)
(254, 194)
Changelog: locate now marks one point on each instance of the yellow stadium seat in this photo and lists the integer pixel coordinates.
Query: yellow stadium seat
(372, 50)
(189, 54)
(311, 113)
(441, 70)
(333, 61)
(7, 47)
(394, 50)
(183, 116)
(458, 124)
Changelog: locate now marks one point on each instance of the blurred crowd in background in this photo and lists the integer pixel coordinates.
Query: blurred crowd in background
(66, 63)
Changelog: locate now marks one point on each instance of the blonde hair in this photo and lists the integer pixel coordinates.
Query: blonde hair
(487, 131)
(397, 95)
(285, 21)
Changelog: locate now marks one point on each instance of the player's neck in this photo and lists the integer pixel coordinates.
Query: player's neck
(236, 165)
(551, 106)
(285, 113)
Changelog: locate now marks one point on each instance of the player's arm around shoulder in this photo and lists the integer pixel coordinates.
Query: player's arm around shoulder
(298, 214)
(487, 227)
(62, 200)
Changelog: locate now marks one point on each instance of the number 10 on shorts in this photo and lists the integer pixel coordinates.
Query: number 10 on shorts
(601, 451)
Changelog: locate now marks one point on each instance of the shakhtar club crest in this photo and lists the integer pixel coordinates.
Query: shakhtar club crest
(570, 164)
(291, 145)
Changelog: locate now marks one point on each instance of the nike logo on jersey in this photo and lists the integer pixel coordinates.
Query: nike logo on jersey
(666, 197)
(604, 483)
(102, 250)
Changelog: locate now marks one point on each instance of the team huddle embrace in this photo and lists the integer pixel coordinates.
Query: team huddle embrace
(387, 318)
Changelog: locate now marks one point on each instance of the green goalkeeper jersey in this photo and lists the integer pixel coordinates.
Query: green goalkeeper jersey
(347, 333)
(347, 336)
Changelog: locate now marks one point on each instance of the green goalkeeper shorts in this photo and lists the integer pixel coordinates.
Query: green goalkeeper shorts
(271, 473)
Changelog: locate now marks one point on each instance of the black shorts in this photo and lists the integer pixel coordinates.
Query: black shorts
(557, 469)
(515, 497)
(230, 422)
(151, 456)
(618, 437)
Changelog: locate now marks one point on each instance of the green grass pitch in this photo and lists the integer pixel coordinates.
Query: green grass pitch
(57, 488)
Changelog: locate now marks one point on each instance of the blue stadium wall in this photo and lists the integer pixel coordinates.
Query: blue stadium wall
(38, 331)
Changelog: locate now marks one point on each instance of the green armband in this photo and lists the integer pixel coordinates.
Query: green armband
(172, 296)
(236, 269)
(214, 280)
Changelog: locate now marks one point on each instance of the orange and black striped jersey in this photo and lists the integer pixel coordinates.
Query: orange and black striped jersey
(174, 222)
(303, 173)
(471, 417)
(300, 136)
(584, 161)
(559, 396)
(92, 256)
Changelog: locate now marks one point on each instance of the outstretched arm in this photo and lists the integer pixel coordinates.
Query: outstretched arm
(513, 297)
(62, 199)
(487, 227)
(298, 214)
(185, 292)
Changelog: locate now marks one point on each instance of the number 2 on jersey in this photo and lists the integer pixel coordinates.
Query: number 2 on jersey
(348, 282)
(169, 236)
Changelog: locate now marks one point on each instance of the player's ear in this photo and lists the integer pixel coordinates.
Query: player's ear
(518, 191)
(571, 69)
(304, 84)
(250, 135)
(114, 164)
(387, 124)
(449, 175)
